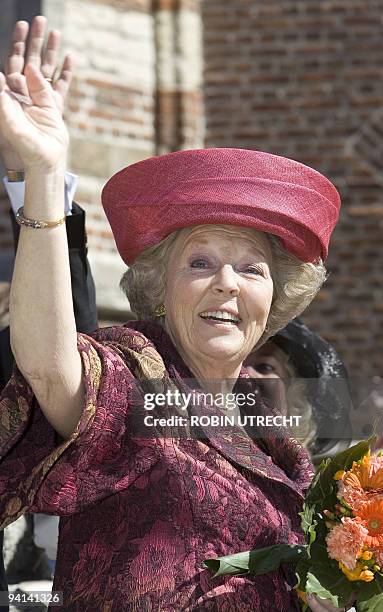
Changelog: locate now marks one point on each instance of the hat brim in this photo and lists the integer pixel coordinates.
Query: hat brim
(267, 206)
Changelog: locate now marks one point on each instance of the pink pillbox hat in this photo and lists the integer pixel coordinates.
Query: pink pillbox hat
(149, 200)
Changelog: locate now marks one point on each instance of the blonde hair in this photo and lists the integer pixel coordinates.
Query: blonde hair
(295, 283)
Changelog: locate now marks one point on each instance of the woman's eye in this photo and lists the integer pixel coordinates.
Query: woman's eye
(199, 263)
(265, 368)
(253, 270)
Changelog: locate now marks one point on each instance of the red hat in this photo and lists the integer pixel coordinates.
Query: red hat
(149, 200)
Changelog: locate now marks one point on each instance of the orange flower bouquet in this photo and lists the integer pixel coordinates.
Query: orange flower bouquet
(343, 522)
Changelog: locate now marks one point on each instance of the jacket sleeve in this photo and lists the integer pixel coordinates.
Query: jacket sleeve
(83, 289)
(40, 472)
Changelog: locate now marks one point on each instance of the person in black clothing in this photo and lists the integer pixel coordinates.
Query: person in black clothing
(301, 373)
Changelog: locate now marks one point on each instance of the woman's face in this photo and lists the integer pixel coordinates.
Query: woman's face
(218, 292)
(270, 364)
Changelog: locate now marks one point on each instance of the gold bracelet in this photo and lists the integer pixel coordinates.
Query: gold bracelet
(15, 176)
(21, 220)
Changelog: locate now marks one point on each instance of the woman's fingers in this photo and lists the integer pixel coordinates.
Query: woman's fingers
(49, 58)
(17, 83)
(36, 41)
(44, 59)
(6, 108)
(61, 86)
(15, 59)
(39, 89)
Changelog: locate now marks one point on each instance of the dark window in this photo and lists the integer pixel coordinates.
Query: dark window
(10, 12)
(27, 9)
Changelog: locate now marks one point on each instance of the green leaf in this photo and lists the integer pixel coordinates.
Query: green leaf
(308, 523)
(320, 469)
(327, 584)
(313, 586)
(307, 515)
(232, 565)
(373, 604)
(257, 562)
(370, 595)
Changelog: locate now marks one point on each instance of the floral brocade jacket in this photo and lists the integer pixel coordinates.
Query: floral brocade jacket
(140, 514)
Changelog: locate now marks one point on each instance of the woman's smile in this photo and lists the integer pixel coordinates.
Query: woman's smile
(221, 316)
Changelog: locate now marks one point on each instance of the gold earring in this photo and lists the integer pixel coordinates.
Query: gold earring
(160, 311)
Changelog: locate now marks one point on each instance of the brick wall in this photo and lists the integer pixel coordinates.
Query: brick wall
(304, 79)
(110, 112)
(179, 104)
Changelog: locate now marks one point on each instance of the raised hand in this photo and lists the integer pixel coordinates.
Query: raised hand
(32, 70)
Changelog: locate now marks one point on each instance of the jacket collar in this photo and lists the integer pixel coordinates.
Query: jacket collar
(268, 452)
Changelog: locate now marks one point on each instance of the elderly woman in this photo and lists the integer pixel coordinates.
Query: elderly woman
(224, 248)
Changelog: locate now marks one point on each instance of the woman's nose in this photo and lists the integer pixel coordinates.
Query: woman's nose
(226, 280)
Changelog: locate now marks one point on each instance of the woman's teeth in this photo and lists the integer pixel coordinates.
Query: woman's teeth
(219, 315)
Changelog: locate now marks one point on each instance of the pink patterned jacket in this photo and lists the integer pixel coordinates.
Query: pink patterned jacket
(139, 515)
